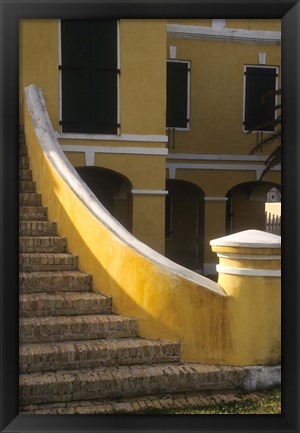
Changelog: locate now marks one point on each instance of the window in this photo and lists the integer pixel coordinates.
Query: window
(258, 81)
(89, 76)
(178, 84)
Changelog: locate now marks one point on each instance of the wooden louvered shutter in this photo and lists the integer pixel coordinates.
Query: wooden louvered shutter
(259, 82)
(177, 79)
(89, 76)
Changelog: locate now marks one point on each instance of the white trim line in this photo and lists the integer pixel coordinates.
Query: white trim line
(149, 192)
(216, 199)
(115, 149)
(214, 157)
(213, 33)
(112, 137)
(249, 272)
(244, 167)
(248, 256)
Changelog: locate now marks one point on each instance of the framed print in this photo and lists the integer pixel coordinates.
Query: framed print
(149, 158)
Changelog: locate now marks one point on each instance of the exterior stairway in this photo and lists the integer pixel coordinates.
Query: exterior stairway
(75, 354)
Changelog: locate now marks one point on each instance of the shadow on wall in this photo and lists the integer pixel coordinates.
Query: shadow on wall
(185, 224)
(112, 189)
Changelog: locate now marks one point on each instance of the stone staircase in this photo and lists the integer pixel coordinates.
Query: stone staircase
(75, 354)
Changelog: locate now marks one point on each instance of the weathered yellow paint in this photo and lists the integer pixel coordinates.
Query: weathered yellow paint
(254, 311)
(143, 76)
(113, 143)
(251, 264)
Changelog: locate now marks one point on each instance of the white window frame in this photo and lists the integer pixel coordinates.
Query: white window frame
(244, 93)
(188, 111)
(86, 135)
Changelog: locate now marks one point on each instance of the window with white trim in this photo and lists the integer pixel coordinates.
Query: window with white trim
(258, 82)
(178, 94)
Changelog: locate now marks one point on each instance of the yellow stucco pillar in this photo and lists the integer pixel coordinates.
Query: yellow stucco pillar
(148, 217)
(250, 273)
(215, 224)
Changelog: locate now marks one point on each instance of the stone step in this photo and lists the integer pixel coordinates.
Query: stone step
(95, 353)
(30, 199)
(42, 244)
(30, 262)
(124, 381)
(37, 228)
(23, 161)
(27, 186)
(73, 281)
(22, 147)
(64, 328)
(62, 303)
(25, 174)
(33, 213)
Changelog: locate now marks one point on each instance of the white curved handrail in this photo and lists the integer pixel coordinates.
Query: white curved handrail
(52, 149)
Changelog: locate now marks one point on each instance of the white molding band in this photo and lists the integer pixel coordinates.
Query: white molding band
(114, 149)
(248, 256)
(217, 199)
(237, 167)
(223, 34)
(249, 272)
(112, 137)
(215, 157)
(149, 192)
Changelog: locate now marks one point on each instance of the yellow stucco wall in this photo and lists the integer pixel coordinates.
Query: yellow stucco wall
(217, 76)
(143, 76)
(38, 62)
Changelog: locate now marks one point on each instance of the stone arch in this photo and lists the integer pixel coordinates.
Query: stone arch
(113, 191)
(245, 207)
(185, 224)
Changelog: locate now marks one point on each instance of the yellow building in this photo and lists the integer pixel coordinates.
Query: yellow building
(154, 116)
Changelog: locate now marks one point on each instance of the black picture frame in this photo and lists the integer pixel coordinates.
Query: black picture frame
(11, 12)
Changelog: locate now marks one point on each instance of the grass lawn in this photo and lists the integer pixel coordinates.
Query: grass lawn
(262, 402)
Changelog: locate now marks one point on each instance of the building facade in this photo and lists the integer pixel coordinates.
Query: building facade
(154, 115)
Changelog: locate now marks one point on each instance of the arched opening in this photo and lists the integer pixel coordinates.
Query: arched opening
(185, 224)
(246, 206)
(113, 191)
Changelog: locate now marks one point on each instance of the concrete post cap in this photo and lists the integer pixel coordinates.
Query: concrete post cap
(249, 239)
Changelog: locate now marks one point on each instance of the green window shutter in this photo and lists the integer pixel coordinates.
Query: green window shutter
(89, 76)
(177, 79)
(259, 82)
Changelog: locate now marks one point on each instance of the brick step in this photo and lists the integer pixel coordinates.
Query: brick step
(125, 381)
(23, 161)
(33, 213)
(25, 174)
(62, 303)
(30, 262)
(30, 199)
(146, 404)
(37, 228)
(64, 328)
(22, 147)
(27, 186)
(95, 353)
(71, 281)
(42, 244)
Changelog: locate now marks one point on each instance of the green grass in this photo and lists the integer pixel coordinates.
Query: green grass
(268, 402)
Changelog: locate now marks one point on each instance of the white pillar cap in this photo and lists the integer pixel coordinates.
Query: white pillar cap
(249, 239)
